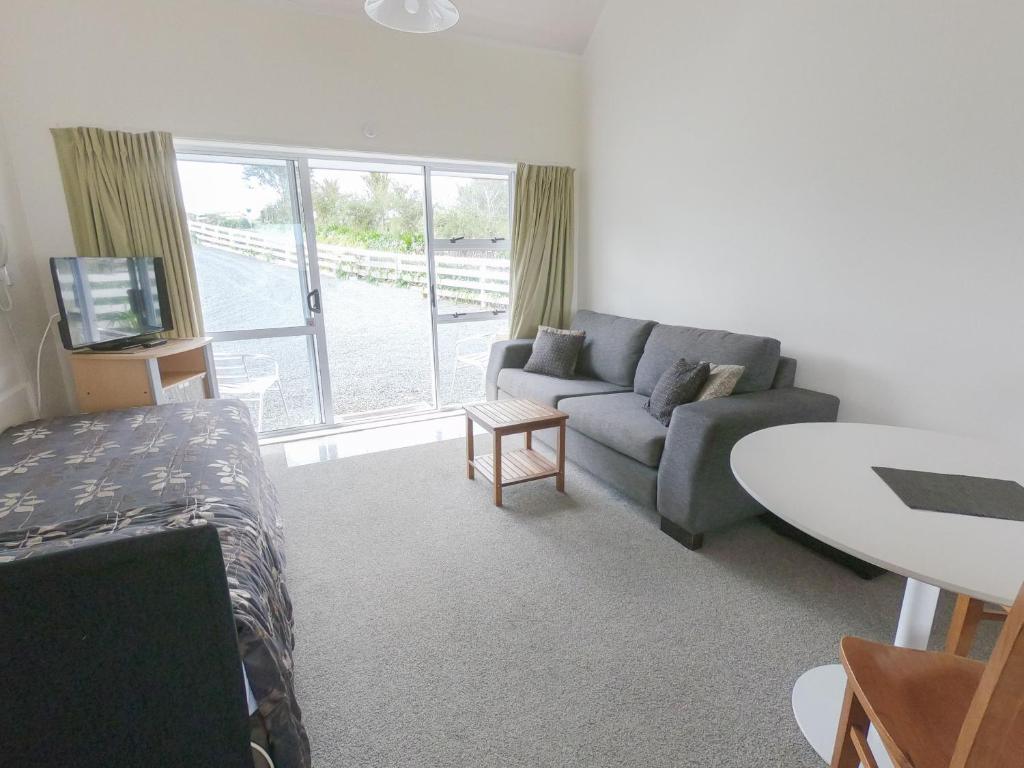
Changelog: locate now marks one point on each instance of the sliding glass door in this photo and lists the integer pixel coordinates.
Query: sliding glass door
(243, 215)
(368, 229)
(339, 290)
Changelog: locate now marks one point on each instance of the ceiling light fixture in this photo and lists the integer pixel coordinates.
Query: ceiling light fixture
(413, 15)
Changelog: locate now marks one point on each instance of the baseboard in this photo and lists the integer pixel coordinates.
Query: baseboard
(865, 570)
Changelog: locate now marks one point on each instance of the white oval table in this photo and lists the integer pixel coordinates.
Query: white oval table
(818, 477)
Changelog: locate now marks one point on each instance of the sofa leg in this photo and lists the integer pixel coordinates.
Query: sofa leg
(689, 540)
(865, 570)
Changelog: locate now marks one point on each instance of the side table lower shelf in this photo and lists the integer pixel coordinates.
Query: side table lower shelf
(517, 466)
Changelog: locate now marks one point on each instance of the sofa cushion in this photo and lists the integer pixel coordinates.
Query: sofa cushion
(613, 346)
(515, 382)
(620, 422)
(759, 355)
(785, 375)
(555, 352)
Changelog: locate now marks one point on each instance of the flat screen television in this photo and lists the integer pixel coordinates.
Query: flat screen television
(110, 303)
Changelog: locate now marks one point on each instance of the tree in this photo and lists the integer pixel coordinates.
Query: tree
(385, 207)
(389, 207)
(480, 210)
(274, 177)
(385, 214)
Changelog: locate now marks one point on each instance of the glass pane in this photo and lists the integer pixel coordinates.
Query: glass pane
(370, 210)
(472, 207)
(462, 353)
(373, 273)
(273, 377)
(471, 281)
(241, 218)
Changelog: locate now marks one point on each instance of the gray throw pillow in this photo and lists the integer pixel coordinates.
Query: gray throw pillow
(681, 383)
(555, 352)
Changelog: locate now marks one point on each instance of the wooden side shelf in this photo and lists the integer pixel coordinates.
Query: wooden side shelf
(177, 371)
(176, 378)
(517, 466)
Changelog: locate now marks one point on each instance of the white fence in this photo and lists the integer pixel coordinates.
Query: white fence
(462, 276)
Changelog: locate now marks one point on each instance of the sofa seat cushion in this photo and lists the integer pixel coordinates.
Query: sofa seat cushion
(759, 355)
(613, 345)
(549, 390)
(620, 422)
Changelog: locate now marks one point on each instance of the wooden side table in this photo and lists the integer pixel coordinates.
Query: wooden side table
(513, 417)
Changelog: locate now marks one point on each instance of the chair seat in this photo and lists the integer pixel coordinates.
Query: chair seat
(916, 699)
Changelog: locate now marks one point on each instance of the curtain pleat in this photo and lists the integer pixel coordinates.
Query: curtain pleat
(542, 249)
(124, 199)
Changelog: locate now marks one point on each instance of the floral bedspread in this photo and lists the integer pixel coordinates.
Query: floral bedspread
(121, 473)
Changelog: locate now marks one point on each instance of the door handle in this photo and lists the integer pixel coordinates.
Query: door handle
(313, 301)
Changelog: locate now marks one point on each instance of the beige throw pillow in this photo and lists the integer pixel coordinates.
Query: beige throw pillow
(721, 382)
(563, 331)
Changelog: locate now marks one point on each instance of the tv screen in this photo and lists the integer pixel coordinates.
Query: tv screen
(110, 302)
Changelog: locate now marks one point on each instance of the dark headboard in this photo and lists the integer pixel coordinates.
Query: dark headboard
(122, 652)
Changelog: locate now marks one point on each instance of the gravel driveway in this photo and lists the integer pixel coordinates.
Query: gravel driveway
(378, 341)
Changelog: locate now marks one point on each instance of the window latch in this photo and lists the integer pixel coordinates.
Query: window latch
(497, 239)
(456, 239)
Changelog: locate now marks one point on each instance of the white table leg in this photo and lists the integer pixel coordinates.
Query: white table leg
(818, 693)
(916, 615)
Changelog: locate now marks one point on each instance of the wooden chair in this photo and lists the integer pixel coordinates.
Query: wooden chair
(935, 710)
(967, 615)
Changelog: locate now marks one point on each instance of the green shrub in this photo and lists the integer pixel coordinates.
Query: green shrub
(220, 220)
(340, 234)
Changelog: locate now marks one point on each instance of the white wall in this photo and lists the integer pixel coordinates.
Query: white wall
(22, 325)
(222, 69)
(845, 176)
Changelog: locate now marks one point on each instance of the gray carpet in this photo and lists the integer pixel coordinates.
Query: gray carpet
(436, 630)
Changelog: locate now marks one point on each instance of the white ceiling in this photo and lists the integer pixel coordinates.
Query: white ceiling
(560, 25)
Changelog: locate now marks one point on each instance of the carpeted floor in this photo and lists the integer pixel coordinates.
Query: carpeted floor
(436, 630)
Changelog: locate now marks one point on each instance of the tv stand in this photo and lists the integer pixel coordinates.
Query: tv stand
(179, 370)
(126, 345)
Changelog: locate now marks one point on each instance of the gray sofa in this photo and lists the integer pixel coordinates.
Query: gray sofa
(683, 470)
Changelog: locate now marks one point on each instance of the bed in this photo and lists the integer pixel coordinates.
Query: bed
(120, 473)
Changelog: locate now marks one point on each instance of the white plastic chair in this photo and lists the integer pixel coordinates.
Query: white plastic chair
(471, 352)
(249, 377)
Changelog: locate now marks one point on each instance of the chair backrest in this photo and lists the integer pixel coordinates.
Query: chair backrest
(993, 731)
(124, 653)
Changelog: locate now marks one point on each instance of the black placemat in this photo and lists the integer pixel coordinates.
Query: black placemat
(957, 494)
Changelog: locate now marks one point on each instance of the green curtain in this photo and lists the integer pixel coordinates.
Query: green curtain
(124, 199)
(542, 249)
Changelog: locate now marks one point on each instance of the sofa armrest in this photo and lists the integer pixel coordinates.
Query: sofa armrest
(506, 354)
(696, 487)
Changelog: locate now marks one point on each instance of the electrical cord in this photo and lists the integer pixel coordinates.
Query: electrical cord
(39, 361)
(263, 753)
